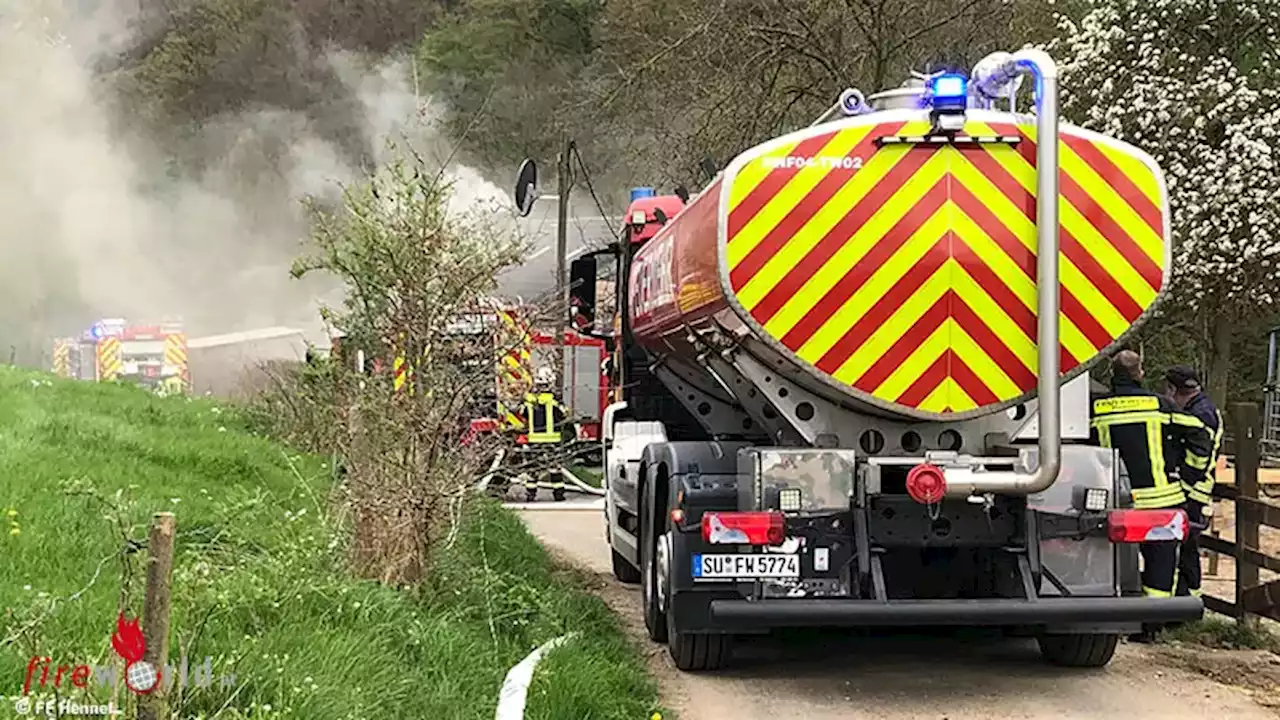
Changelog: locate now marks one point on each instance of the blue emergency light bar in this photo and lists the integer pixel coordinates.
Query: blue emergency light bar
(641, 192)
(949, 91)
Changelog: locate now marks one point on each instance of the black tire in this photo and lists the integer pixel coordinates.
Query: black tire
(624, 571)
(1084, 651)
(699, 651)
(694, 651)
(655, 621)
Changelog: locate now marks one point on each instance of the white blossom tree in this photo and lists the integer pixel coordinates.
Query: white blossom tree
(1195, 83)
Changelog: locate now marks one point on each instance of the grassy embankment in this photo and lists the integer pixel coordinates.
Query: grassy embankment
(259, 584)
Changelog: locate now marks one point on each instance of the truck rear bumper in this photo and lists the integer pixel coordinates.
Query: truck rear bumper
(1097, 611)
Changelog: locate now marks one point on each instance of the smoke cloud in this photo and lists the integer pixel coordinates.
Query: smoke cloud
(93, 223)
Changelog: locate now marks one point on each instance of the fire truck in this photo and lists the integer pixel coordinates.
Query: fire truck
(152, 356)
(524, 352)
(853, 375)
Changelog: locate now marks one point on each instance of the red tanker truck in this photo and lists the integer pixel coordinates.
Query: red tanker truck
(853, 376)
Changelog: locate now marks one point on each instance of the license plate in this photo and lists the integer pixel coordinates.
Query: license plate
(735, 567)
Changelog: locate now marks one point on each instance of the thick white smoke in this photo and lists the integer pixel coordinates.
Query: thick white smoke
(92, 226)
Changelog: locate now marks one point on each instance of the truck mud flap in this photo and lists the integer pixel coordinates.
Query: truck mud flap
(992, 612)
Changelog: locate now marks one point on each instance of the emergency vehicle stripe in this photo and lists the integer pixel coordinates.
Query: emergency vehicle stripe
(61, 358)
(110, 363)
(912, 278)
(830, 224)
(795, 275)
(752, 176)
(175, 353)
(400, 373)
(759, 238)
(771, 183)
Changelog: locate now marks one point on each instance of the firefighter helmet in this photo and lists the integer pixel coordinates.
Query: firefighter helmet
(544, 378)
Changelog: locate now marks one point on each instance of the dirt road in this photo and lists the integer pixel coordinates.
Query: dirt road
(897, 678)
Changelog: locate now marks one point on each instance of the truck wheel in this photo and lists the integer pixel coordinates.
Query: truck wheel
(655, 620)
(1091, 650)
(624, 571)
(689, 651)
(703, 651)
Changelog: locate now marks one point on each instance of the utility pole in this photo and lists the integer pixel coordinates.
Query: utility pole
(565, 182)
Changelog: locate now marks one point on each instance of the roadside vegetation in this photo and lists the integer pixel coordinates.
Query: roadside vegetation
(260, 580)
(332, 557)
(1226, 634)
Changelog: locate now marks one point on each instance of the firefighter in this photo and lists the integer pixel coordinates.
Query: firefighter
(545, 419)
(1127, 419)
(1183, 386)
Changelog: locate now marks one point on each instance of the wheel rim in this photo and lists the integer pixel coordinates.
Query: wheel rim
(664, 570)
(647, 562)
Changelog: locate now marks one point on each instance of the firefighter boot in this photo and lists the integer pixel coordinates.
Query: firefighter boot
(558, 494)
(530, 494)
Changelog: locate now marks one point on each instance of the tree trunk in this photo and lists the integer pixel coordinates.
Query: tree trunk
(1219, 380)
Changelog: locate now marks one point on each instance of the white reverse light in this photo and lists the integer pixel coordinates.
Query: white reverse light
(1095, 499)
(637, 217)
(789, 499)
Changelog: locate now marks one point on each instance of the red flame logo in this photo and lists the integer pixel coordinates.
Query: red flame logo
(128, 640)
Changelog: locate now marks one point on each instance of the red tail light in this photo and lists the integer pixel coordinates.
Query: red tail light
(522, 439)
(926, 484)
(743, 528)
(1137, 526)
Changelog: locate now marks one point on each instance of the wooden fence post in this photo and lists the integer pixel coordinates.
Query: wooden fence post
(1246, 425)
(155, 613)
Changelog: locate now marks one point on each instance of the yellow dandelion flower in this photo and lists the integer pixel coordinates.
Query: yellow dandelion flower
(14, 531)
(11, 512)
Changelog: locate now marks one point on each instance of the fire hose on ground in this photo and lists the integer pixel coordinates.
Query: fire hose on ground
(569, 478)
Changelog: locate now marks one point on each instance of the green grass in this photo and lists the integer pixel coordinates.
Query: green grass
(1224, 633)
(259, 579)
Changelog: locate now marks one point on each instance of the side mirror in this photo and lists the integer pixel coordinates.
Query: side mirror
(585, 272)
(526, 191)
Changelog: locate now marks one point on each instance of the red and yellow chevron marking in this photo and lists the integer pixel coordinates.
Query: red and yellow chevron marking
(509, 419)
(907, 272)
(515, 367)
(109, 360)
(400, 374)
(61, 358)
(175, 354)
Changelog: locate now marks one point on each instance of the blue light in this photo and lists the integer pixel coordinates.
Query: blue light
(641, 192)
(950, 86)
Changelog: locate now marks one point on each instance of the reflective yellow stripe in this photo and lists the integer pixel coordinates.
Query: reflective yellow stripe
(1185, 420)
(1152, 592)
(1126, 404)
(1128, 418)
(1155, 453)
(1167, 495)
(1201, 492)
(1197, 496)
(1195, 461)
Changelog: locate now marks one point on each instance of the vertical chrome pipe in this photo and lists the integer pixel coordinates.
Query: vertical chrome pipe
(1044, 71)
